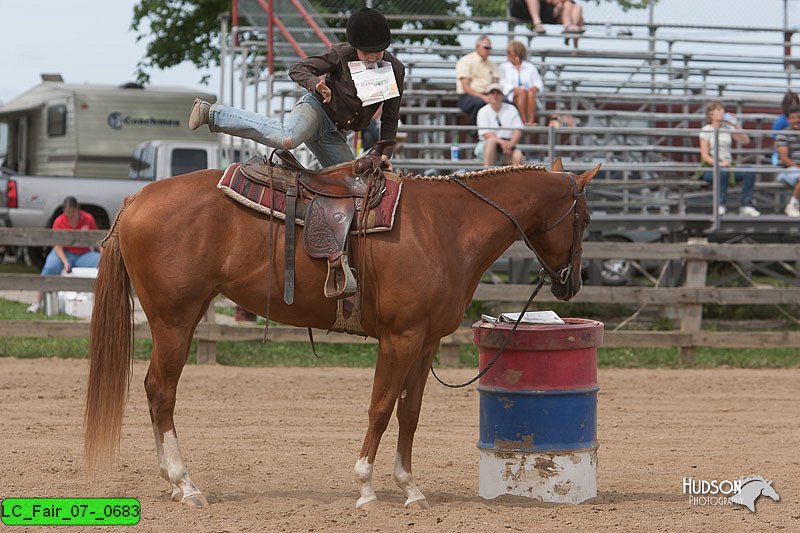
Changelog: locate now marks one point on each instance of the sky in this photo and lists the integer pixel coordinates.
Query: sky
(90, 41)
(86, 41)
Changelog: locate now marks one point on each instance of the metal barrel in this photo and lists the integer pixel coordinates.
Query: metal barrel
(538, 410)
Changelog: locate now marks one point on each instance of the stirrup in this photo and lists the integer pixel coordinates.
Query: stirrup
(340, 282)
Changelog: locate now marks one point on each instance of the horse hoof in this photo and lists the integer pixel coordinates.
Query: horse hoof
(198, 501)
(368, 505)
(177, 495)
(419, 505)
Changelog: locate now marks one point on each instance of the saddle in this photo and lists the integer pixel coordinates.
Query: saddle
(326, 201)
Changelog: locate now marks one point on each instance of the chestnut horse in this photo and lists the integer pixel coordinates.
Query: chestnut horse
(180, 242)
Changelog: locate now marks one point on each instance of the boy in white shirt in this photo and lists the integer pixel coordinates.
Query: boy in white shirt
(493, 141)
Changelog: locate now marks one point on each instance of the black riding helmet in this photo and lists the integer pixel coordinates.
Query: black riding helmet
(368, 31)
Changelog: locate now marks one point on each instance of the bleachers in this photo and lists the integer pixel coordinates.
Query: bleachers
(637, 101)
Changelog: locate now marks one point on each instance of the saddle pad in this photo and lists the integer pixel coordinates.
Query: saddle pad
(256, 196)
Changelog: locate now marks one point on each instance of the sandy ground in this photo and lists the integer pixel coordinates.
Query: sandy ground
(274, 450)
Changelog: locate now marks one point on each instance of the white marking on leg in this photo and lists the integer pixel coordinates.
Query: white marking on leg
(363, 473)
(177, 493)
(173, 469)
(405, 481)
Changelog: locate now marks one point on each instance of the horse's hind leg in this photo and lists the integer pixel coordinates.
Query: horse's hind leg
(170, 350)
(408, 407)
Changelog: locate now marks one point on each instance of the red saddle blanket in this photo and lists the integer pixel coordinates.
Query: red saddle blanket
(257, 196)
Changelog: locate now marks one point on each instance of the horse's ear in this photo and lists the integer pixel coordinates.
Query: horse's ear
(583, 179)
(558, 166)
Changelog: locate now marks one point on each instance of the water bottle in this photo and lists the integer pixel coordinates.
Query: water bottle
(455, 152)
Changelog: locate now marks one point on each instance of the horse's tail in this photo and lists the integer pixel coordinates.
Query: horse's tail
(110, 355)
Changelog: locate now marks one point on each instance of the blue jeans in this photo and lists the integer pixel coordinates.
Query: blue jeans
(54, 267)
(306, 123)
(789, 176)
(748, 180)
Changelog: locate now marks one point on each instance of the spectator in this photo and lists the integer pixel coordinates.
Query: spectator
(541, 12)
(65, 257)
(332, 107)
(493, 141)
(715, 113)
(788, 144)
(474, 73)
(782, 122)
(521, 81)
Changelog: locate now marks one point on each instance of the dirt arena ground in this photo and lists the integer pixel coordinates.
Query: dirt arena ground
(274, 450)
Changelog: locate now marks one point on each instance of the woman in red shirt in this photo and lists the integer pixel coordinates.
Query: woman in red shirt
(63, 258)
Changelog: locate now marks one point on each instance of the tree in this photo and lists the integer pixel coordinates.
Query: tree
(188, 30)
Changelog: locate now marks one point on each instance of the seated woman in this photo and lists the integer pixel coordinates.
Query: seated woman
(541, 12)
(521, 81)
(715, 119)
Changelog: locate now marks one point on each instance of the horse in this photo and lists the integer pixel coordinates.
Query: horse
(180, 242)
(751, 488)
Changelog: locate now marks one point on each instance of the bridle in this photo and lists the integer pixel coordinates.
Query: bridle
(562, 273)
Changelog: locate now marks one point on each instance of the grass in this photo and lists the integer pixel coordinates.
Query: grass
(258, 354)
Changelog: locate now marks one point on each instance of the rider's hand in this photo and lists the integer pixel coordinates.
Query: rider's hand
(323, 90)
(385, 164)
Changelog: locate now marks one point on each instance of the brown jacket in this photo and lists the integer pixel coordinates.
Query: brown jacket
(345, 107)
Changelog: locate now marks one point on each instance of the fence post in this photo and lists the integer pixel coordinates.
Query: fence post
(450, 355)
(207, 350)
(692, 319)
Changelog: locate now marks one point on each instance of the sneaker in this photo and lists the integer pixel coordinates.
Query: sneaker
(722, 210)
(749, 211)
(199, 114)
(792, 210)
(34, 307)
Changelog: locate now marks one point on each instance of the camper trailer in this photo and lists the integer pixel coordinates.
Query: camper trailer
(63, 129)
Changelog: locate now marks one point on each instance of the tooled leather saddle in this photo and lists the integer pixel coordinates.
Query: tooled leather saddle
(326, 201)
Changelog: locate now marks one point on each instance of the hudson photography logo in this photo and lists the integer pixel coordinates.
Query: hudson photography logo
(743, 491)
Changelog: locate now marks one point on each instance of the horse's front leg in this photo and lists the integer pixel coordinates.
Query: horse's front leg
(396, 354)
(408, 408)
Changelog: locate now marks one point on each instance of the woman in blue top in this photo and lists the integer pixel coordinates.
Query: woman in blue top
(782, 122)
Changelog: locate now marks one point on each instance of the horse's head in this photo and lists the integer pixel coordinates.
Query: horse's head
(559, 242)
(768, 491)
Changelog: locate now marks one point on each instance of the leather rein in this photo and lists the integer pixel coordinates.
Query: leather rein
(562, 274)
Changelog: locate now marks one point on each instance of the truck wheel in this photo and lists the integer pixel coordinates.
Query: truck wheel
(36, 255)
(616, 272)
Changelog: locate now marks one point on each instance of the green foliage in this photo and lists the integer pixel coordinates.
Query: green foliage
(177, 31)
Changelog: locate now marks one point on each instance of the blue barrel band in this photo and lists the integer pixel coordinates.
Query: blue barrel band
(537, 422)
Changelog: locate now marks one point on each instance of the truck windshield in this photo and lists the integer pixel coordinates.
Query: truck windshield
(143, 163)
(186, 160)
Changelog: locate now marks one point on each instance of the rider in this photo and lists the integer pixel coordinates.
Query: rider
(322, 117)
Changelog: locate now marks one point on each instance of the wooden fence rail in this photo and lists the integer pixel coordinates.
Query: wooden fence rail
(688, 299)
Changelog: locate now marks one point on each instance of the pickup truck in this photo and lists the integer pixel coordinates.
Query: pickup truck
(35, 201)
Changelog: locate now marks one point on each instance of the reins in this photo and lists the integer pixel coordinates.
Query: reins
(562, 275)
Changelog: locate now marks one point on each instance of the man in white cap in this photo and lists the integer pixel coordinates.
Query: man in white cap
(322, 117)
(499, 129)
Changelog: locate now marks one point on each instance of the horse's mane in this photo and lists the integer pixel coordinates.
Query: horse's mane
(488, 172)
(748, 479)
